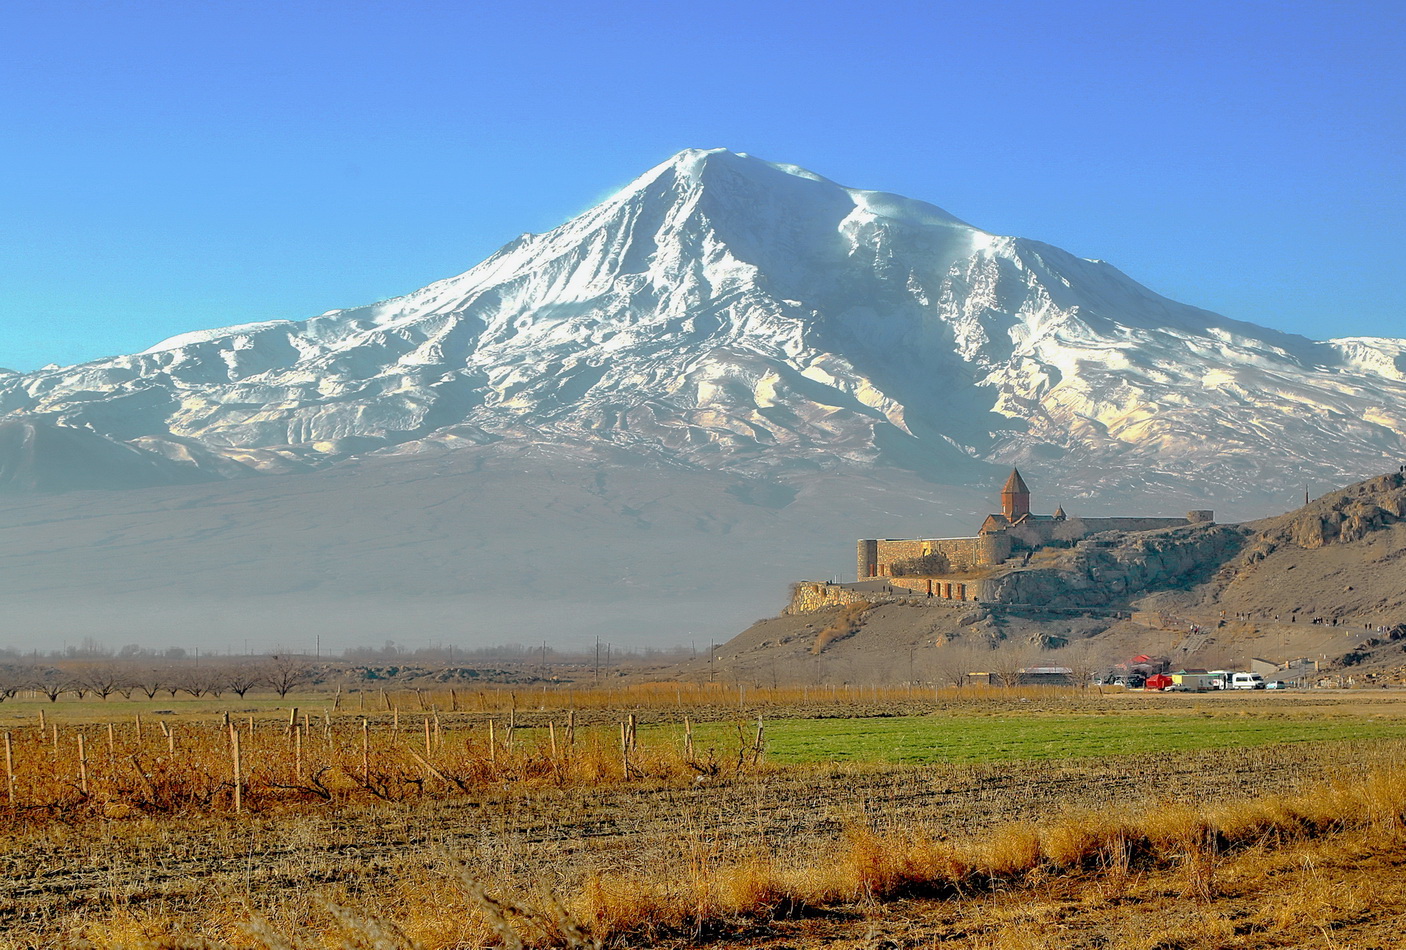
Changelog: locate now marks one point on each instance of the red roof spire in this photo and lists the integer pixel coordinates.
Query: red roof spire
(1015, 497)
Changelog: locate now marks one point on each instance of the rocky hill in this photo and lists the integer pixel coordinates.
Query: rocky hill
(1324, 581)
(40, 456)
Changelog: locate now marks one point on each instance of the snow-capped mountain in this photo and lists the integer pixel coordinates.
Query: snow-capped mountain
(726, 312)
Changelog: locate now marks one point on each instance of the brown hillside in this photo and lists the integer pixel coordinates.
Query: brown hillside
(1326, 581)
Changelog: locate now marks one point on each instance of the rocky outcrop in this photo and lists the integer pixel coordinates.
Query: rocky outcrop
(1339, 517)
(1109, 569)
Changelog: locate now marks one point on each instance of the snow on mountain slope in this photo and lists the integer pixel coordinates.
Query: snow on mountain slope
(726, 312)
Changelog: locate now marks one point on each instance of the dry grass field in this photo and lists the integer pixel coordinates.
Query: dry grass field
(654, 816)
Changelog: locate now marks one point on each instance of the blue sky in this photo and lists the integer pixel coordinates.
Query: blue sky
(167, 167)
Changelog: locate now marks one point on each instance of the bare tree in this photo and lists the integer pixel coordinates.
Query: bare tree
(50, 682)
(1083, 662)
(150, 682)
(1008, 659)
(104, 679)
(199, 680)
(952, 662)
(285, 672)
(240, 679)
(11, 682)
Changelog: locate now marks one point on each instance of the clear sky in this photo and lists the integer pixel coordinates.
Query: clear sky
(173, 166)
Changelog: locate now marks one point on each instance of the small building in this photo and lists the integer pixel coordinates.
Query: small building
(1197, 681)
(1046, 676)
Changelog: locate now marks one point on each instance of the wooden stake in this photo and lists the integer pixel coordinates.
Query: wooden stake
(687, 739)
(365, 751)
(625, 749)
(428, 749)
(10, 769)
(238, 770)
(492, 745)
(82, 765)
(552, 733)
(298, 751)
(570, 728)
(171, 740)
(111, 743)
(139, 728)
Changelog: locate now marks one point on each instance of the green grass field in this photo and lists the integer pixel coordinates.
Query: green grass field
(927, 739)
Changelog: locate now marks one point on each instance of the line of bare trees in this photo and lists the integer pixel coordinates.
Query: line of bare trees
(281, 673)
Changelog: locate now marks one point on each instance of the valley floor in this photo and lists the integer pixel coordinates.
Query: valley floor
(417, 872)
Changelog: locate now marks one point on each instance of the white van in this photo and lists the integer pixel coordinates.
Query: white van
(1246, 681)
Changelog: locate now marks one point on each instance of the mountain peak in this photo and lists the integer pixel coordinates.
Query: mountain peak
(732, 313)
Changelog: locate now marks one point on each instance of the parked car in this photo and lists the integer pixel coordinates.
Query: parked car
(1247, 681)
(1276, 684)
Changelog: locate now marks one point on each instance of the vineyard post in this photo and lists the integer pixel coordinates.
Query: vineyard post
(757, 747)
(238, 771)
(437, 738)
(625, 749)
(298, 750)
(395, 723)
(111, 743)
(631, 736)
(552, 735)
(55, 728)
(428, 750)
(139, 729)
(365, 751)
(9, 769)
(687, 739)
(42, 727)
(292, 721)
(453, 701)
(82, 765)
(492, 745)
(171, 740)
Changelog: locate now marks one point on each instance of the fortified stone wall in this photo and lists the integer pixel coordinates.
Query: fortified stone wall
(876, 557)
(810, 596)
(941, 588)
(1096, 525)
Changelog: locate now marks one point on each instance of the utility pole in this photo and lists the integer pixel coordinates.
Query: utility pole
(711, 648)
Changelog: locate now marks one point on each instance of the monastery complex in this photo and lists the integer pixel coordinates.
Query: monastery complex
(959, 568)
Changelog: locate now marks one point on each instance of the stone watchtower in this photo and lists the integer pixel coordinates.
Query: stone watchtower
(1015, 497)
